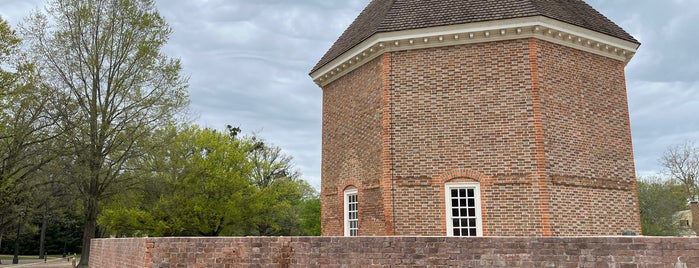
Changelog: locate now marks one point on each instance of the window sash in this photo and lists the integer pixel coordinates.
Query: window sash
(463, 209)
(351, 205)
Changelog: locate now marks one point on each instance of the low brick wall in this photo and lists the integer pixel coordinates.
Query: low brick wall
(118, 252)
(617, 252)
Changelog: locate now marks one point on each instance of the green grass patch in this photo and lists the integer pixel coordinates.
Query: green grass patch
(21, 257)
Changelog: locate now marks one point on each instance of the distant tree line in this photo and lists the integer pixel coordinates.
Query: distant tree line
(94, 140)
(663, 196)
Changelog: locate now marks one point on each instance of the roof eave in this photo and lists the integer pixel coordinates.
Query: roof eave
(540, 27)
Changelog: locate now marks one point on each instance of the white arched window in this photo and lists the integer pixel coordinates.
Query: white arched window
(351, 205)
(463, 207)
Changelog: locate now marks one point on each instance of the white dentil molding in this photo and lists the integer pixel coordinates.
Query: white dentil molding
(539, 27)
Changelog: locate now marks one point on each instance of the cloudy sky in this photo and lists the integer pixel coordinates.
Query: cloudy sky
(248, 62)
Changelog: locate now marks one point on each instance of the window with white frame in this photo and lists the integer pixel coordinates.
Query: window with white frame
(351, 212)
(463, 207)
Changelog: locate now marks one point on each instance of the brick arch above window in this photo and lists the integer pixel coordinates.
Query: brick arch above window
(349, 184)
(466, 174)
(350, 187)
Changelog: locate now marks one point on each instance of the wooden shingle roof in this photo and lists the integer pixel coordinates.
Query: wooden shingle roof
(382, 16)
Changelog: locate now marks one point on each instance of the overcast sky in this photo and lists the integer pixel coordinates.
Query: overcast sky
(248, 62)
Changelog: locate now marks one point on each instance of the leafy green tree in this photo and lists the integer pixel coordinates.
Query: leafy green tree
(104, 57)
(281, 194)
(208, 196)
(310, 216)
(53, 202)
(27, 126)
(659, 201)
(203, 182)
(9, 44)
(203, 187)
(127, 222)
(276, 210)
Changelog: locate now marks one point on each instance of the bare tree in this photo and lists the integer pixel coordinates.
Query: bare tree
(270, 164)
(105, 57)
(681, 162)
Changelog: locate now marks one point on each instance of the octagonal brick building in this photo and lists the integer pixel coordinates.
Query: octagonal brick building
(477, 118)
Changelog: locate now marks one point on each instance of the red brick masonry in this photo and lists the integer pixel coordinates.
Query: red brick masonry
(619, 252)
(543, 128)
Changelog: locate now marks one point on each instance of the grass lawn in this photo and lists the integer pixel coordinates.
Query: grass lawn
(9, 257)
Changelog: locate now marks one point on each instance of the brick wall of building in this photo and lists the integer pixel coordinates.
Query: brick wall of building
(624, 252)
(587, 137)
(464, 107)
(417, 207)
(352, 140)
(542, 127)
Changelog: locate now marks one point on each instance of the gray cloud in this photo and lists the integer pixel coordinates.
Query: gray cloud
(668, 31)
(248, 62)
(14, 11)
(663, 77)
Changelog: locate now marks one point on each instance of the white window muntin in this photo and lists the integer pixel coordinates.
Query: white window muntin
(351, 205)
(464, 209)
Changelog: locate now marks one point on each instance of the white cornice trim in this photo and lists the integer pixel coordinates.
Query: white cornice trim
(530, 27)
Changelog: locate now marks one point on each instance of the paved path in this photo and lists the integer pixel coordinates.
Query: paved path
(51, 263)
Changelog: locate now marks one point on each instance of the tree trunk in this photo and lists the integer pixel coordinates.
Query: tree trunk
(42, 237)
(90, 230)
(1, 234)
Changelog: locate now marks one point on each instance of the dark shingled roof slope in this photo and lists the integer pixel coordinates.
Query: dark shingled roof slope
(397, 15)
